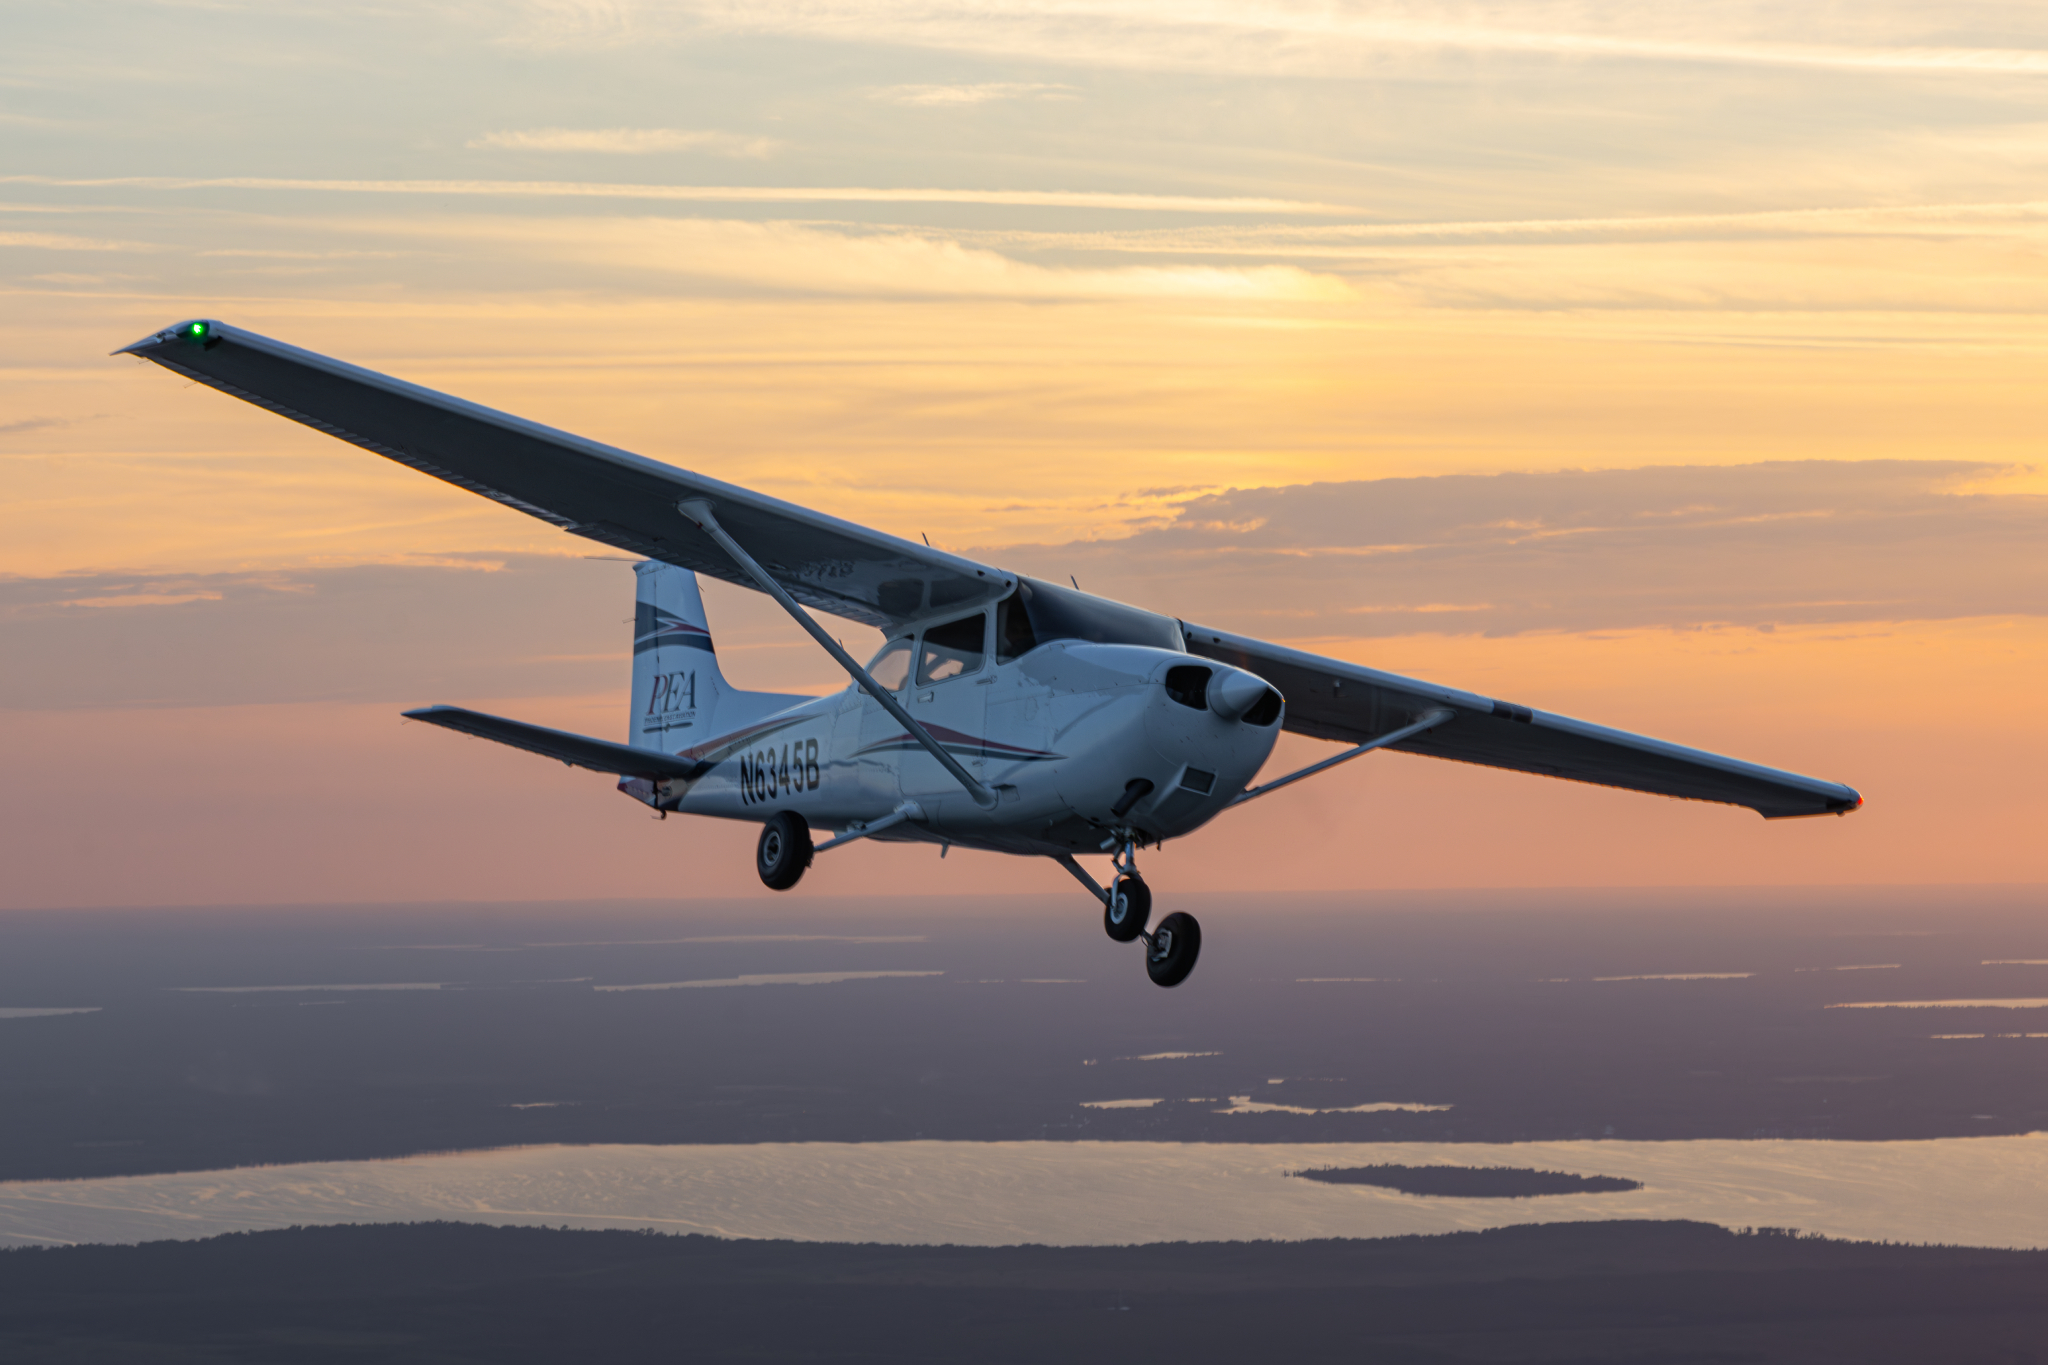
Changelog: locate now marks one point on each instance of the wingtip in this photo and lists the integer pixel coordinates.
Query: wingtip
(201, 332)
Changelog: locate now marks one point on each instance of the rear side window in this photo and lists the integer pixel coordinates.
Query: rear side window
(1014, 636)
(891, 667)
(952, 650)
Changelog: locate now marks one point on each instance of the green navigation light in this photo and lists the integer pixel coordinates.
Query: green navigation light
(198, 329)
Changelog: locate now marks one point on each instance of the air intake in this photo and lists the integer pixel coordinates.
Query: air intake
(1188, 684)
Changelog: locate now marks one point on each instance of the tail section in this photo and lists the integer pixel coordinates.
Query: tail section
(681, 700)
(677, 687)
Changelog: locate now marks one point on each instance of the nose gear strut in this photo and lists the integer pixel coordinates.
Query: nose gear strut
(1172, 947)
(1129, 903)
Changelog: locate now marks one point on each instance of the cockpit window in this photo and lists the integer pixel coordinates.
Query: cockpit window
(891, 668)
(1040, 612)
(1014, 636)
(952, 650)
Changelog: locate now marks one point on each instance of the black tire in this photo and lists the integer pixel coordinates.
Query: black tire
(783, 852)
(1129, 906)
(1176, 943)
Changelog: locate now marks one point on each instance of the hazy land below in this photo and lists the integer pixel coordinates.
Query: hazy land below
(146, 1042)
(221, 1037)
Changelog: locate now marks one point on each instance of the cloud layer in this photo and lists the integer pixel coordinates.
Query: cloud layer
(626, 141)
(1682, 548)
(1748, 545)
(1271, 37)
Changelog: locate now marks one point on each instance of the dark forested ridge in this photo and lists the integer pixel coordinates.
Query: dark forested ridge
(1470, 1182)
(1611, 1292)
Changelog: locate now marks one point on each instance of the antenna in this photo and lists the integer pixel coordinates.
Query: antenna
(1075, 581)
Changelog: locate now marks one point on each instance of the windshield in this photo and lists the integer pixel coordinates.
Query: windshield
(1039, 612)
(892, 666)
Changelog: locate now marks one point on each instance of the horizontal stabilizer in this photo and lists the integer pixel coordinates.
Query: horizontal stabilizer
(578, 751)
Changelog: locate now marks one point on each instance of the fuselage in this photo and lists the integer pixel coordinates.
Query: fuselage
(1075, 738)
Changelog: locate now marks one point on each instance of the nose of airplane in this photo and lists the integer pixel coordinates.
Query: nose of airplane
(1232, 693)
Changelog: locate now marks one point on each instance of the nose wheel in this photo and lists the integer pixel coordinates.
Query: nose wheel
(1128, 905)
(1170, 949)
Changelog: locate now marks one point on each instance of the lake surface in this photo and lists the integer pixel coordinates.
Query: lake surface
(1977, 1191)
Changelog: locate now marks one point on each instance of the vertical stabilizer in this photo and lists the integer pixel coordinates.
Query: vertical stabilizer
(676, 683)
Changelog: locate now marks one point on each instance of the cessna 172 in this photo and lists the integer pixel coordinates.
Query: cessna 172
(1000, 713)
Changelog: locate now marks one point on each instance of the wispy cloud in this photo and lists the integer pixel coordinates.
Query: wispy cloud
(1283, 37)
(628, 141)
(1958, 258)
(1266, 238)
(227, 638)
(983, 93)
(63, 241)
(705, 194)
(822, 259)
(281, 254)
(28, 424)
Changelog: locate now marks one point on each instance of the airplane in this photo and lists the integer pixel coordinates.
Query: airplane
(1000, 713)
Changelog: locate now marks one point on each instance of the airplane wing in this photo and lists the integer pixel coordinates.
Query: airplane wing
(593, 490)
(578, 751)
(625, 500)
(1330, 699)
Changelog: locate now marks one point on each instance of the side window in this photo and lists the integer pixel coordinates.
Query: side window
(952, 650)
(1014, 637)
(891, 668)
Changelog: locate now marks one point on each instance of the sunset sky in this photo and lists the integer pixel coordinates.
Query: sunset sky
(1675, 367)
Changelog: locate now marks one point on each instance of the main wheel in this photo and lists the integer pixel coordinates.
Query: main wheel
(1129, 906)
(784, 851)
(1176, 943)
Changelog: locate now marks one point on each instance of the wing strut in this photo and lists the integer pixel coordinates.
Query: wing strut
(699, 513)
(1066, 860)
(1428, 722)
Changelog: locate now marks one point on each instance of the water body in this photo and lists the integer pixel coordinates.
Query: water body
(1973, 1191)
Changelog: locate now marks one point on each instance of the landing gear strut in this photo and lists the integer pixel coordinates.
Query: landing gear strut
(1170, 949)
(1129, 903)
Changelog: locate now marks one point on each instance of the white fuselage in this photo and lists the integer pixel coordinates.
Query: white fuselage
(1060, 734)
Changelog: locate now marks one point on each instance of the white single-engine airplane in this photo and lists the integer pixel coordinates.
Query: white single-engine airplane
(1001, 713)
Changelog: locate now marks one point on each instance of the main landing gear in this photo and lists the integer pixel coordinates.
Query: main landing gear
(783, 852)
(1170, 949)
